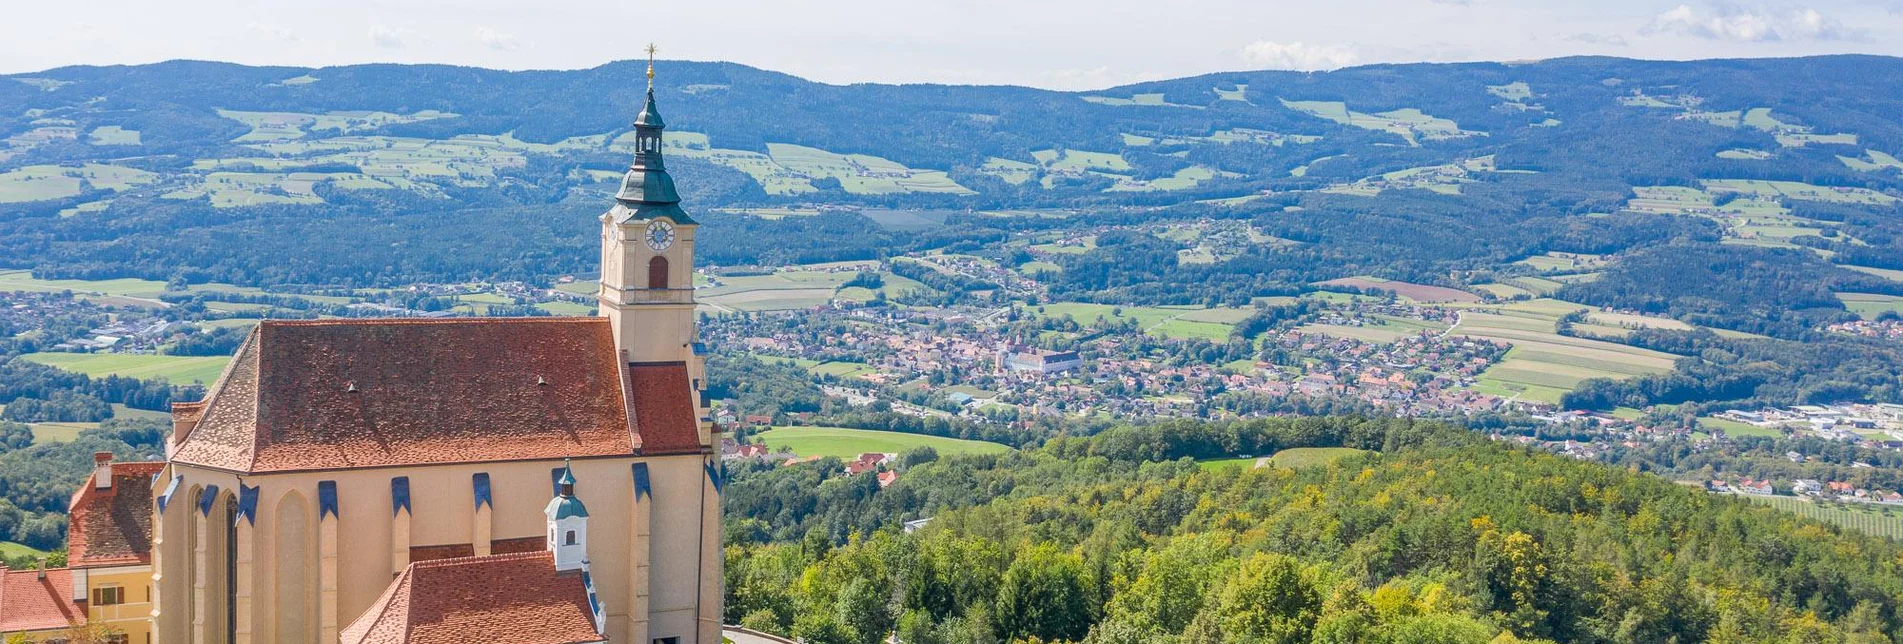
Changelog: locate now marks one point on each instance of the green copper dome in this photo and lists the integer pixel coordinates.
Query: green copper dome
(565, 505)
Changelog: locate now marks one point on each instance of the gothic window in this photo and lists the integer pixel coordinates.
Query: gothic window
(657, 272)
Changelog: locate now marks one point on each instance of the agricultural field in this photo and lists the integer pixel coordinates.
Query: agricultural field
(1408, 123)
(845, 443)
(1012, 172)
(1671, 200)
(1746, 154)
(1871, 305)
(286, 126)
(178, 369)
(1872, 161)
(113, 135)
(1415, 292)
(783, 290)
(1735, 429)
(1542, 365)
(1564, 262)
(1885, 273)
(841, 369)
(1183, 179)
(1153, 100)
(1880, 521)
(46, 182)
(862, 174)
(235, 189)
(1796, 190)
(1169, 321)
(1444, 179)
(58, 432)
(1080, 160)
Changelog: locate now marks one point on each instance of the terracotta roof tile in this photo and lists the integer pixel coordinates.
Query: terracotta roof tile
(517, 598)
(664, 407)
(29, 603)
(334, 394)
(113, 527)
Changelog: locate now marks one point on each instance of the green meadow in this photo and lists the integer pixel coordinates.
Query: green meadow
(845, 443)
(178, 369)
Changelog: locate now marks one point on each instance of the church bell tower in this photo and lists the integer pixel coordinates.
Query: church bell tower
(647, 257)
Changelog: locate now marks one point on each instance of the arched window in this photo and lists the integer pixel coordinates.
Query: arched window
(657, 272)
(571, 537)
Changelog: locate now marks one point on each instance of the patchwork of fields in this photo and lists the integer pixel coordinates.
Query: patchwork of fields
(1543, 365)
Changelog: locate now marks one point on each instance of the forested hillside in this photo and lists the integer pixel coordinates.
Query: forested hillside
(1436, 535)
(1760, 200)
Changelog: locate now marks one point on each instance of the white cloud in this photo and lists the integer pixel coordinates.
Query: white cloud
(1736, 24)
(389, 37)
(1614, 40)
(1298, 55)
(497, 40)
(273, 31)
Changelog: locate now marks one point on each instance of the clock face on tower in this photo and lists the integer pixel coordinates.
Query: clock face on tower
(660, 235)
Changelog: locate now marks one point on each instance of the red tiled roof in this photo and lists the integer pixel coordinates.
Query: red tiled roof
(335, 394)
(29, 603)
(664, 407)
(517, 598)
(113, 527)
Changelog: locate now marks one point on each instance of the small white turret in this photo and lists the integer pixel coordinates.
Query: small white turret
(567, 524)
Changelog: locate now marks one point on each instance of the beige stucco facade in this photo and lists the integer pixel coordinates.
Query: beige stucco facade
(301, 572)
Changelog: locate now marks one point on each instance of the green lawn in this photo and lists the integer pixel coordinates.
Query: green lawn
(1870, 305)
(58, 432)
(11, 550)
(841, 369)
(848, 443)
(178, 369)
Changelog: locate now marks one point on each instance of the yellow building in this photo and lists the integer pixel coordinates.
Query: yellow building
(108, 577)
(543, 479)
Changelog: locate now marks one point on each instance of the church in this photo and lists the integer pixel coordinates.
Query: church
(537, 479)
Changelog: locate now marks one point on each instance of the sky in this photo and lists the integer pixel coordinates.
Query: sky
(1056, 44)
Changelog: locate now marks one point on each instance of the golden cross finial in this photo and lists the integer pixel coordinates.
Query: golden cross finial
(651, 50)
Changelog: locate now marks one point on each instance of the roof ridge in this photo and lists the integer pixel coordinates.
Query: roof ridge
(426, 321)
(474, 559)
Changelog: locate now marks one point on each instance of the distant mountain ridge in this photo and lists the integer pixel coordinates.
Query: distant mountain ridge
(92, 157)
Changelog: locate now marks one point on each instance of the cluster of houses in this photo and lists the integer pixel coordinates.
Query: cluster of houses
(1425, 373)
(882, 466)
(1885, 329)
(1428, 373)
(141, 335)
(1839, 491)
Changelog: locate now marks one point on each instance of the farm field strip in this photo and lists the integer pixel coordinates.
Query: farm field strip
(845, 443)
(178, 369)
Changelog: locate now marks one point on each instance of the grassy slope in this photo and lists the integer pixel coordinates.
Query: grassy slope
(847, 443)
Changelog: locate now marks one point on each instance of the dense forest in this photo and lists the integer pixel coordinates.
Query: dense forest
(1435, 535)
